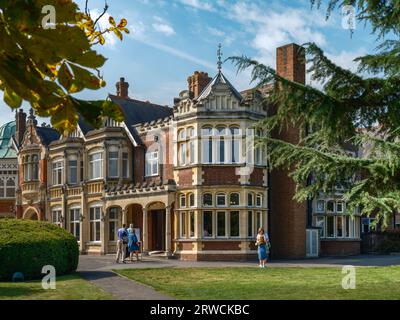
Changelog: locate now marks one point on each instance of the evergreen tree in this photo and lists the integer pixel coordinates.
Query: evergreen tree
(359, 108)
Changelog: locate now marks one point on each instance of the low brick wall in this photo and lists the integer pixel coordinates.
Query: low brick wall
(340, 248)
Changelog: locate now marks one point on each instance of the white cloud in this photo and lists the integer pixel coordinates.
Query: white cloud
(163, 27)
(110, 38)
(198, 4)
(216, 32)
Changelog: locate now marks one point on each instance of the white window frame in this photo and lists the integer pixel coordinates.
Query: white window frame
(94, 222)
(182, 200)
(226, 224)
(259, 196)
(152, 158)
(212, 224)
(317, 208)
(56, 216)
(220, 195)
(95, 162)
(203, 202)
(57, 172)
(190, 197)
(334, 206)
(230, 202)
(113, 160)
(69, 176)
(183, 225)
(116, 221)
(125, 164)
(73, 222)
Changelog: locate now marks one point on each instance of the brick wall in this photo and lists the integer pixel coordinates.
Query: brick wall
(220, 176)
(340, 248)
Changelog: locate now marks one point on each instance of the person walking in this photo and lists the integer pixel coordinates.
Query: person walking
(133, 245)
(121, 244)
(263, 245)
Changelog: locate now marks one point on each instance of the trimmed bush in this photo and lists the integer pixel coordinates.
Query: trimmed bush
(26, 246)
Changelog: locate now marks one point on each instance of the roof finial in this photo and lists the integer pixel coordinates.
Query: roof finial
(219, 55)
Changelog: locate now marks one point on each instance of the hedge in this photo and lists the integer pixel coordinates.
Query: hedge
(26, 246)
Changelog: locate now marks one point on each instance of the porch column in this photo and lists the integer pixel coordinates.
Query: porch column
(145, 240)
(168, 231)
(125, 216)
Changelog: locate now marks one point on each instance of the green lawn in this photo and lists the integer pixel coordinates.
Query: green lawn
(270, 283)
(71, 287)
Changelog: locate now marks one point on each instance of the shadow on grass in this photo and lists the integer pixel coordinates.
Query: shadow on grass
(13, 292)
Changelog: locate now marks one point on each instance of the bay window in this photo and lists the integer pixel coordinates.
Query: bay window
(259, 200)
(96, 165)
(234, 199)
(207, 224)
(113, 222)
(73, 170)
(57, 172)
(10, 188)
(221, 200)
(191, 223)
(125, 165)
(207, 145)
(113, 163)
(330, 226)
(56, 217)
(95, 221)
(221, 224)
(183, 224)
(234, 224)
(235, 145)
(182, 201)
(221, 133)
(74, 214)
(207, 200)
(191, 200)
(35, 167)
(250, 223)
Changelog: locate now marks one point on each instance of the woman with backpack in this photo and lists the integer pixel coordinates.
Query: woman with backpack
(263, 245)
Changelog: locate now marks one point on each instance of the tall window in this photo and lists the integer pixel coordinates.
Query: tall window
(10, 188)
(75, 222)
(330, 227)
(221, 133)
(56, 217)
(250, 199)
(192, 146)
(259, 149)
(182, 147)
(31, 167)
(339, 226)
(183, 224)
(191, 200)
(235, 145)
(250, 222)
(35, 167)
(207, 200)
(260, 221)
(152, 163)
(234, 199)
(221, 224)
(259, 200)
(320, 223)
(57, 172)
(73, 171)
(113, 224)
(96, 165)
(207, 224)
(234, 224)
(95, 219)
(182, 201)
(207, 145)
(125, 165)
(113, 164)
(191, 224)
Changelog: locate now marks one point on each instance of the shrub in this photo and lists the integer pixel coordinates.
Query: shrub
(26, 246)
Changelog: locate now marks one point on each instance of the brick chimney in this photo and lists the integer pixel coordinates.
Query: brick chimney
(122, 88)
(20, 119)
(197, 82)
(290, 63)
(289, 219)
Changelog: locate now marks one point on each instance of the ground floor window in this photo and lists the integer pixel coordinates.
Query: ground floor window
(113, 224)
(260, 222)
(234, 224)
(182, 221)
(207, 224)
(191, 223)
(56, 217)
(95, 220)
(221, 224)
(338, 226)
(250, 221)
(75, 223)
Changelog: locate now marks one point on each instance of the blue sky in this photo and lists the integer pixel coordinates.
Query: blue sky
(170, 39)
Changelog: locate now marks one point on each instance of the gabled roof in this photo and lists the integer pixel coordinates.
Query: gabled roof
(47, 135)
(219, 78)
(136, 111)
(6, 133)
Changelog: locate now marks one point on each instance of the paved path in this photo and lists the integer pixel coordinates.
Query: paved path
(120, 287)
(97, 269)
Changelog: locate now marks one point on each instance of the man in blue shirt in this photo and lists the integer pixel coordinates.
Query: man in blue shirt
(122, 243)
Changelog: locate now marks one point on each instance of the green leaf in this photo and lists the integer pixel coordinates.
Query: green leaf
(12, 99)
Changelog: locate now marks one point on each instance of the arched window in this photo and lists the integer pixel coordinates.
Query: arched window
(259, 199)
(221, 200)
(207, 145)
(221, 148)
(191, 200)
(250, 199)
(207, 200)
(234, 199)
(235, 144)
(35, 167)
(182, 201)
(10, 188)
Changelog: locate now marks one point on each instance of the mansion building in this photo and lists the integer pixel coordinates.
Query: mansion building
(190, 178)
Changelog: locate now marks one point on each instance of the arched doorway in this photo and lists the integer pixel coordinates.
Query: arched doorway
(31, 214)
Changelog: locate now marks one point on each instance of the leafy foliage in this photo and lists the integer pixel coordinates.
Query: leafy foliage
(26, 246)
(46, 66)
(350, 128)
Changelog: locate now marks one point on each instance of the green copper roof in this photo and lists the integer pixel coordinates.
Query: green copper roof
(6, 132)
